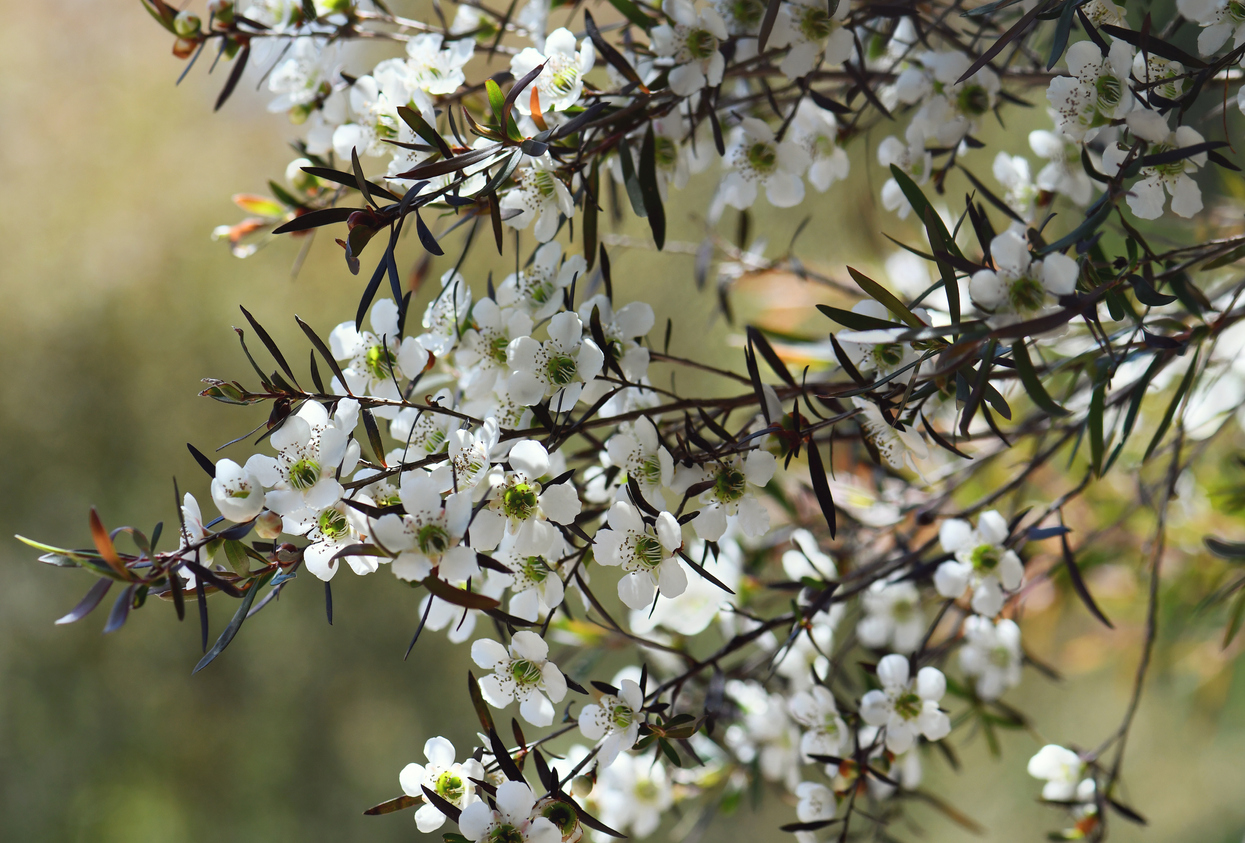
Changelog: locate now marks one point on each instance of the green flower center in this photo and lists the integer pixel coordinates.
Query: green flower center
(650, 470)
(729, 485)
(762, 157)
(1110, 91)
(332, 524)
(560, 369)
(1000, 657)
(816, 23)
(908, 706)
(497, 348)
(432, 539)
(665, 151)
(903, 610)
(621, 716)
(985, 557)
(379, 361)
(542, 182)
(1026, 294)
(525, 672)
(701, 44)
(1171, 169)
(648, 551)
(304, 474)
(435, 440)
(519, 501)
(747, 13)
(449, 787)
(564, 80)
(505, 834)
(888, 354)
(536, 568)
(561, 815)
(973, 100)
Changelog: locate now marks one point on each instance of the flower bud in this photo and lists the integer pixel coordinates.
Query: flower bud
(297, 179)
(184, 48)
(581, 786)
(186, 24)
(268, 525)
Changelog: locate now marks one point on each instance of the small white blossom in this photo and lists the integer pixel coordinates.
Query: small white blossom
(905, 708)
(992, 654)
(561, 82)
(734, 493)
(647, 555)
(981, 562)
(522, 507)
(1019, 288)
(445, 777)
(692, 42)
(556, 369)
(537, 288)
(825, 732)
(1096, 93)
(523, 673)
(428, 536)
(892, 617)
(760, 160)
(614, 721)
(1146, 197)
(1061, 769)
(511, 822)
(236, 491)
(539, 196)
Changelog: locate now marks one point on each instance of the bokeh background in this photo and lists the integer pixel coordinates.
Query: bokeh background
(116, 302)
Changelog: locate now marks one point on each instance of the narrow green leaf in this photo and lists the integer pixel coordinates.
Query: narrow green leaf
(885, 297)
(649, 190)
(1032, 383)
(1185, 383)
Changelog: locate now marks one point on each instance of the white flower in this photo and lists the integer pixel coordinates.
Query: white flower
(812, 30)
(635, 794)
(816, 803)
(950, 109)
(1017, 289)
(236, 491)
(435, 70)
(906, 708)
(910, 156)
(193, 532)
(377, 360)
(556, 369)
(310, 448)
(334, 530)
(512, 821)
(898, 448)
(425, 430)
(692, 42)
(736, 480)
(1013, 173)
(523, 508)
(1063, 173)
(444, 777)
(561, 82)
(765, 733)
(614, 720)
(428, 536)
(535, 584)
(301, 79)
(991, 652)
(522, 673)
(981, 562)
(376, 118)
(1060, 768)
(892, 617)
(761, 160)
(816, 711)
(446, 314)
(1146, 197)
(641, 456)
(1096, 93)
(878, 350)
(1219, 20)
(817, 131)
(537, 288)
(621, 329)
(647, 554)
(695, 609)
(539, 196)
(1158, 76)
(471, 455)
(482, 350)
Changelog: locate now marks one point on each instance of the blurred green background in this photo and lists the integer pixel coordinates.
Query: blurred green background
(116, 302)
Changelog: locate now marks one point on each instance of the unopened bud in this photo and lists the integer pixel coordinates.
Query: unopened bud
(186, 24)
(184, 48)
(268, 525)
(222, 9)
(298, 179)
(581, 786)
